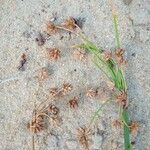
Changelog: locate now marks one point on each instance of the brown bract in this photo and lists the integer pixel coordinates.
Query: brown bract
(106, 54)
(53, 53)
(69, 23)
(122, 99)
(53, 109)
(116, 124)
(91, 93)
(66, 88)
(36, 124)
(134, 126)
(53, 92)
(51, 28)
(119, 56)
(73, 103)
(83, 134)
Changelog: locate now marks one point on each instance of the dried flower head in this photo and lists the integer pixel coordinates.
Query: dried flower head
(53, 109)
(106, 54)
(70, 23)
(43, 74)
(79, 54)
(122, 99)
(73, 102)
(91, 93)
(116, 124)
(22, 62)
(53, 92)
(36, 124)
(119, 56)
(66, 88)
(134, 126)
(51, 28)
(53, 53)
(83, 137)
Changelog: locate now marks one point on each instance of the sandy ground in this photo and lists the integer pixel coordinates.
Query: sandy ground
(21, 21)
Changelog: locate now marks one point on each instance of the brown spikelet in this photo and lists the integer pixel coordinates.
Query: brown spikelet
(106, 54)
(91, 93)
(73, 103)
(53, 92)
(119, 56)
(122, 99)
(69, 23)
(51, 28)
(116, 124)
(134, 126)
(36, 124)
(66, 88)
(53, 109)
(83, 134)
(79, 54)
(53, 53)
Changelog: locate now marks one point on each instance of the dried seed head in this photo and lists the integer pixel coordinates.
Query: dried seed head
(70, 23)
(134, 126)
(43, 74)
(119, 56)
(83, 136)
(51, 28)
(66, 88)
(122, 99)
(116, 124)
(53, 109)
(106, 55)
(53, 53)
(53, 92)
(91, 93)
(73, 102)
(36, 124)
(79, 54)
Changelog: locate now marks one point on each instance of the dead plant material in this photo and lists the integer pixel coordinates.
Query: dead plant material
(69, 23)
(51, 28)
(53, 92)
(44, 74)
(116, 124)
(73, 103)
(36, 124)
(53, 109)
(22, 62)
(79, 54)
(40, 39)
(53, 53)
(91, 93)
(83, 134)
(107, 55)
(122, 99)
(66, 88)
(134, 126)
(119, 56)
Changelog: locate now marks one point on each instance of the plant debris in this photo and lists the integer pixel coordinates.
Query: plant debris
(116, 124)
(134, 126)
(122, 99)
(40, 39)
(83, 134)
(69, 23)
(51, 28)
(53, 109)
(22, 62)
(73, 103)
(66, 88)
(79, 54)
(91, 93)
(53, 53)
